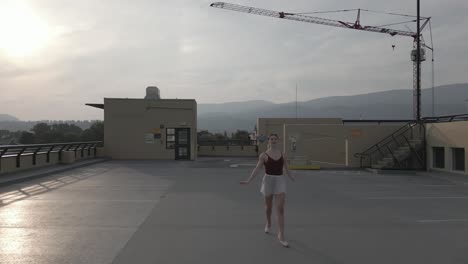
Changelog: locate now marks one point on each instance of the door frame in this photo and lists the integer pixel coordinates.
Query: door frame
(178, 145)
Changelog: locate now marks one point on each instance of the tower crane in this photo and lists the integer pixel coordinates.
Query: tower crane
(417, 54)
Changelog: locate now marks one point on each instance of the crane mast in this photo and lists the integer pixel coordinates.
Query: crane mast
(417, 54)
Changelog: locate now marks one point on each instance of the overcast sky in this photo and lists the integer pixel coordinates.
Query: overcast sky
(57, 55)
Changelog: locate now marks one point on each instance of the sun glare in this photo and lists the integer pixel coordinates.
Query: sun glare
(21, 31)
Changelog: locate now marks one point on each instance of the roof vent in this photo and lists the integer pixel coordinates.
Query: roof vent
(152, 93)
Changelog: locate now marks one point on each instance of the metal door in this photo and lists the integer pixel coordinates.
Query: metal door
(182, 143)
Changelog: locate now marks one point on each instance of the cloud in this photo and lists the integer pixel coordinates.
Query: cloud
(190, 50)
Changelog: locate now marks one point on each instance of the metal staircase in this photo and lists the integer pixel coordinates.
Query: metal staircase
(404, 149)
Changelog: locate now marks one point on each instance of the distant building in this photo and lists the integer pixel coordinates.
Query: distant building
(150, 128)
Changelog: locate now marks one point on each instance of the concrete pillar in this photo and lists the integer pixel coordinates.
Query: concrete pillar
(99, 152)
(68, 157)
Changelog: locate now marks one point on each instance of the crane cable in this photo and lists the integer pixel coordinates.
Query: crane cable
(355, 9)
(373, 11)
(393, 24)
(395, 14)
(321, 12)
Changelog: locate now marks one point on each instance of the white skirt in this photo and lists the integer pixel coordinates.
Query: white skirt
(273, 184)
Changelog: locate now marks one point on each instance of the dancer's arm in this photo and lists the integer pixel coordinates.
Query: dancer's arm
(286, 168)
(260, 165)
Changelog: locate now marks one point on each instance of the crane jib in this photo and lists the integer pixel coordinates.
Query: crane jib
(310, 19)
(417, 55)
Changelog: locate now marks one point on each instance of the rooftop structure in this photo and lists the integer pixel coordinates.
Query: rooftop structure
(156, 212)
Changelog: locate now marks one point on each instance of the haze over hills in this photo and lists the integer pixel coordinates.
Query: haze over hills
(5, 117)
(27, 125)
(394, 104)
(233, 107)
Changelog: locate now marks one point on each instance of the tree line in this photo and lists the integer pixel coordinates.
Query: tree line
(11, 125)
(238, 137)
(43, 133)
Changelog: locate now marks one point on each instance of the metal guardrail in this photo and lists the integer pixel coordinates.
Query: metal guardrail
(227, 144)
(386, 145)
(448, 118)
(35, 149)
(430, 119)
(378, 121)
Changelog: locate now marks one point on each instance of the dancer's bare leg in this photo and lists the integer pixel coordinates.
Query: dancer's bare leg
(280, 198)
(268, 209)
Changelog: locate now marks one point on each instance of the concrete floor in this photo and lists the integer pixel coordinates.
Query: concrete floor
(196, 212)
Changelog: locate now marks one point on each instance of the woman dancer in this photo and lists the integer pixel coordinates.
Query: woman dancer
(273, 184)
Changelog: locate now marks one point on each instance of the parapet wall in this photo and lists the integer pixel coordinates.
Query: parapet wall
(10, 164)
(226, 151)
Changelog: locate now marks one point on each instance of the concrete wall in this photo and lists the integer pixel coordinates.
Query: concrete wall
(8, 164)
(224, 151)
(447, 135)
(267, 126)
(127, 121)
(332, 146)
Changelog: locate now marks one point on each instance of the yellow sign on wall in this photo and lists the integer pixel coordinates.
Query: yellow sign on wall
(156, 132)
(355, 132)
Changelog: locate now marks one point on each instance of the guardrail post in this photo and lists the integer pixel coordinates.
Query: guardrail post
(18, 157)
(75, 149)
(35, 155)
(48, 153)
(60, 152)
(1, 155)
(3, 152)
(69, 147)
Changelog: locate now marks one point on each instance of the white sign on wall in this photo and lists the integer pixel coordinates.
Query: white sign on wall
(149, 138)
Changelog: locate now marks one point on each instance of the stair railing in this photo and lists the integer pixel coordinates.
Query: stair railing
(388, 145)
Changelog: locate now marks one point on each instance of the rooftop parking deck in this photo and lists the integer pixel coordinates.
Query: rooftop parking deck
(196, 212)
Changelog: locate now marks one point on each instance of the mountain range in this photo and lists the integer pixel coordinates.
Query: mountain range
(5, 117)
(393, 104)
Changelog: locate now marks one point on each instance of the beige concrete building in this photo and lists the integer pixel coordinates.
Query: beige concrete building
(333, 145)
(267, 126)
(326, 142)
(447, 146)
(154, 128)
(150, 128)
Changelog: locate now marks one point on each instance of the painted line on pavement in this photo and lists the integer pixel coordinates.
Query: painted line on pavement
(442, 220)
(416, 198)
